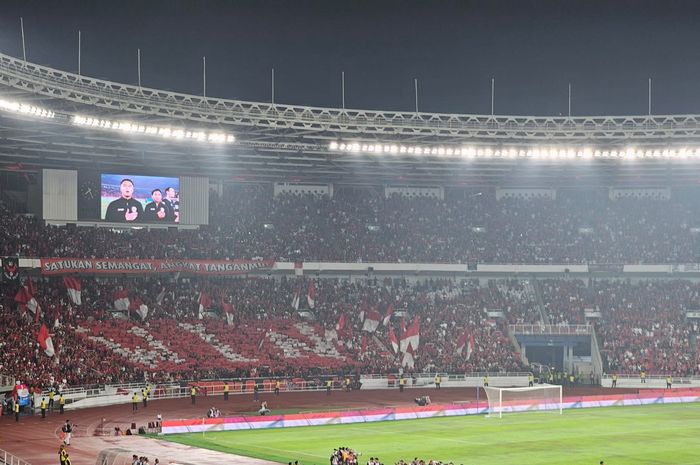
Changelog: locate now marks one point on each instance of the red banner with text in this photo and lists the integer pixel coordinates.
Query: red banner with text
(58, 266)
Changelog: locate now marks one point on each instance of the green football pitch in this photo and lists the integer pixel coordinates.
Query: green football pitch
(646, 435)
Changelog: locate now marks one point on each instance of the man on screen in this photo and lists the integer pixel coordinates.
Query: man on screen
(158, 210)
(126, 208)
(173, 201)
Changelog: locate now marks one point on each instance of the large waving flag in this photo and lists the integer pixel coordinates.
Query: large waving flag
(387, 315)
(139, 307)
(408, 361)
(25, 299)
(74, 289)
(411, 337)
(295, 300)
(394, 342)
(44, 339)
(311, 294)
(121, 300)
(371, 321)
(204, 303)
(228, 311)
(465, 341)
(340, 326)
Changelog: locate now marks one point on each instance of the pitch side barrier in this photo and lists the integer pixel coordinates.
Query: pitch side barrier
(204, 425)
(8, 459)
(103, 395)
(634, 381)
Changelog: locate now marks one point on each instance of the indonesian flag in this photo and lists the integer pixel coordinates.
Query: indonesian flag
(25, 299)
(139, 307)
(204, 302)
(394, 342)
(387, 315)
(311, 294)
(470, 347)
(407, 360)
(371, 321)
(121, 300)
(363, 345)
(228, 311)
(73, 287)
(411, 337)
(295, 300)
(56, 314)
(44, 339)
(341, 323)
(465, 341)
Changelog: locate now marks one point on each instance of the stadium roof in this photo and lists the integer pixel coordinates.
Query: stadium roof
(72, 121)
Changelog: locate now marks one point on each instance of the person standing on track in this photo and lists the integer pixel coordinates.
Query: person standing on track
(277, 387)
(402, 383)
(134, 403)
(226, 388)
(438, 380)
(61, 403)
(486, 380)
(16, 410)
(62, 454)
(51, 394)
(43, 407)
(193, 395)
(329, 385)
(669, 381)
(67, 429)
(144, 397)
(530, 380)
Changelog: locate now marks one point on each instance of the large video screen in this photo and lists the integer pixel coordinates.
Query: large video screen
(127, 198)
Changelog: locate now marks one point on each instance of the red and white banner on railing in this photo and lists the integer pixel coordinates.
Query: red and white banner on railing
(58, 266)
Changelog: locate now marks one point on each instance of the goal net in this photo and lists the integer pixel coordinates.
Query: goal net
(543, 397)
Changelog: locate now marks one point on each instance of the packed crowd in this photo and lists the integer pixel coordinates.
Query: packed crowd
(361, 225)
(265, 336)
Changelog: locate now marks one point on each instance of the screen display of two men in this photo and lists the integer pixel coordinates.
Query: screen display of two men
(126, 209)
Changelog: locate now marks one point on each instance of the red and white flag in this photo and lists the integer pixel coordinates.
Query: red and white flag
(387, 315)
(295, 300)
(121, 300)
(25, 299)
(394, 342)
(44, 339)
(139, 307)
(371, 321)
(465, 343)
(228, 311)
(407, 360)
(204, 303)
(363, 345)
(74, 289)
(311, 294)
(411, 337)
(340, 326)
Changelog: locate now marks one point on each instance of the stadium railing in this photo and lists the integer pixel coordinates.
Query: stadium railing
(574, 330)
(9, 459)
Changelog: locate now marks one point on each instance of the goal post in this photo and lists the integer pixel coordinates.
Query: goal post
(543, 397)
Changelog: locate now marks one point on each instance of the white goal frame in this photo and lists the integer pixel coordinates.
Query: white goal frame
(495, 398)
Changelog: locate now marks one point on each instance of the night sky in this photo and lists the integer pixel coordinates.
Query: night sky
(607, 50)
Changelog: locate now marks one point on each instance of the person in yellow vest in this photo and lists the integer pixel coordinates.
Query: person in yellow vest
(669, 381)
(402, 383)
(486, 380)
(530, 380)
(135, 402)
(16, 409)
(551, 378)
(51, 394)
(148, 389)
(43, 407)
(61, 403)
(193, 394)
(329, 385)
(614, 380)
(62, 454)
(572, 379)
(226, 390)
(347, 384)
(643, 376)
(438, 380)
(67, 460)
(144, 397)
(277, 387)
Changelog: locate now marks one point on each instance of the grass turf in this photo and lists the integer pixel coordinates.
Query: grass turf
(649, 435)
